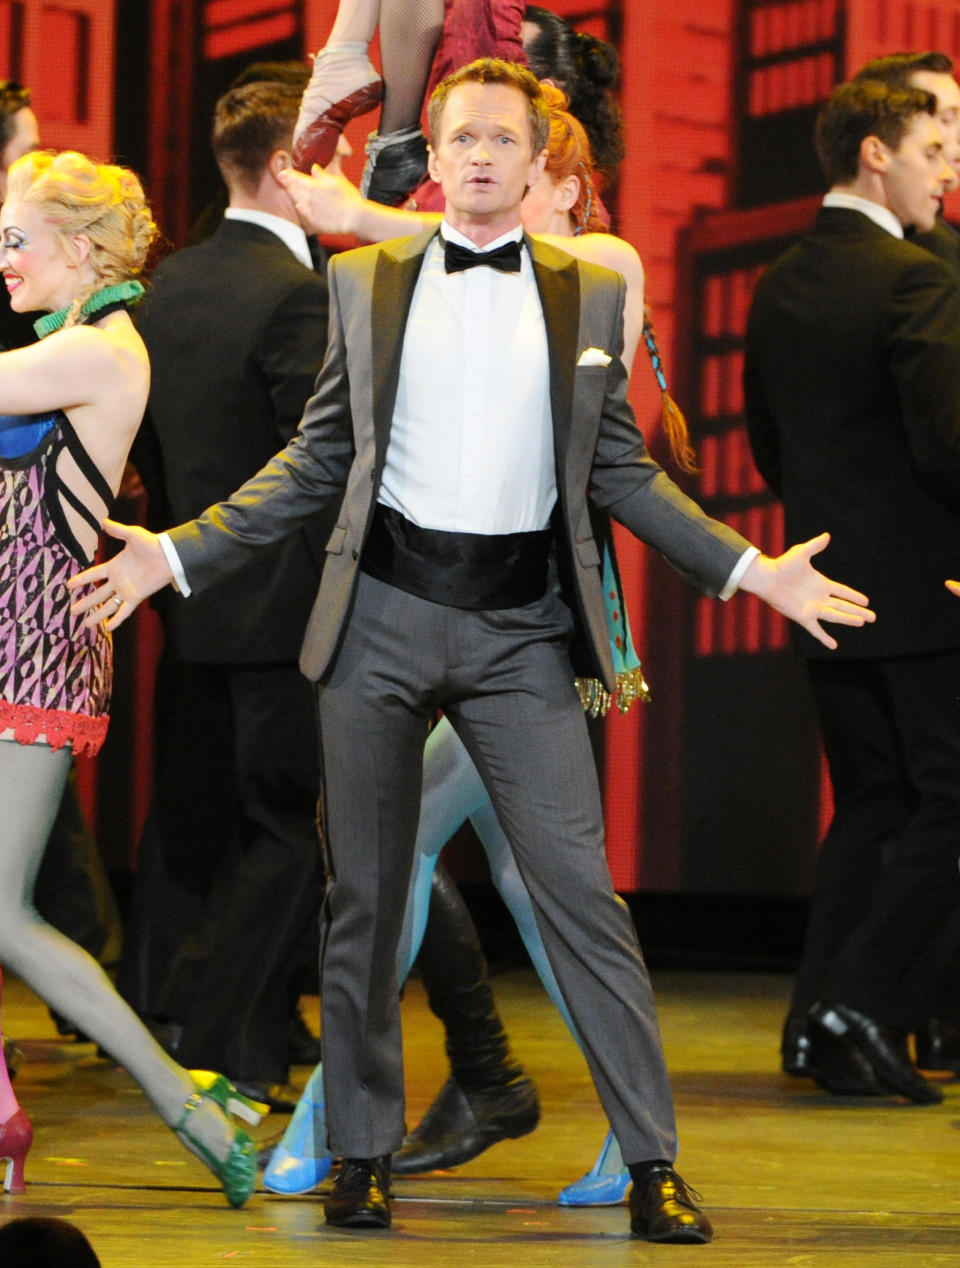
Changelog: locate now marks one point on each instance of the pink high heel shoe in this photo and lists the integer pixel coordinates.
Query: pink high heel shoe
(16, 1137)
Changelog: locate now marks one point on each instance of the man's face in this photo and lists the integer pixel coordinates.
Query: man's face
(24, 138)
(917, 174)
(947, 92)
(483, 157)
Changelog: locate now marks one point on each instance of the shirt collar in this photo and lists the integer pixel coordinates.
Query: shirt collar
(288, 232)
(449, 234)
(881, 216)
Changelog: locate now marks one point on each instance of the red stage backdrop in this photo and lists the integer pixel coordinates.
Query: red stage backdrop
(717, 786)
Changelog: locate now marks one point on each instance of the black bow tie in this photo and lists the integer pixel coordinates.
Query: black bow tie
(505, 258)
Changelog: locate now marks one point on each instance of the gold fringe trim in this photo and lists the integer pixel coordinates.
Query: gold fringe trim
(596, 700)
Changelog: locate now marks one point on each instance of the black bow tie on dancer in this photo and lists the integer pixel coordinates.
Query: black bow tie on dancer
(505, 258)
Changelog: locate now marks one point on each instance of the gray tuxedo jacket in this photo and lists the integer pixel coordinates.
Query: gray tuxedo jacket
(342, 443)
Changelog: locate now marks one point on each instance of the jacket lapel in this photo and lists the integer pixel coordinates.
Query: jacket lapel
(559, 286)
(395, 277)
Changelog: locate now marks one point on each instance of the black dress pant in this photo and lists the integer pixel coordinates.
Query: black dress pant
(883, 923)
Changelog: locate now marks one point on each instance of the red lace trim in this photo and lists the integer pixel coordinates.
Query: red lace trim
(59, 727)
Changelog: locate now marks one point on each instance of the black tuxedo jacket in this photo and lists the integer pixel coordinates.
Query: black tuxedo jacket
(852, 387)
(236, 329)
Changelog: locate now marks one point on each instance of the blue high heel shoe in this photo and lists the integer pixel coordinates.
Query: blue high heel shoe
(297, 1165)
(597, 1187)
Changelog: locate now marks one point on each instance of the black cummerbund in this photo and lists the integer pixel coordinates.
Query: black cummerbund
(460, 570)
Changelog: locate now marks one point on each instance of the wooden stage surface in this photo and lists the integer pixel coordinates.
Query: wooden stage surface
(790, 1176)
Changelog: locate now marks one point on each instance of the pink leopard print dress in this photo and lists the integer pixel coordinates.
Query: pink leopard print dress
(55, 675)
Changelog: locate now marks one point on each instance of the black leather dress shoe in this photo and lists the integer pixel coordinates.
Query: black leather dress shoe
(837, 1066)
(884, 1048)
(938, 1046)
(460, 1125)
(796, 1047)
(281, 1097)
(361, 1194)
(662, 1209)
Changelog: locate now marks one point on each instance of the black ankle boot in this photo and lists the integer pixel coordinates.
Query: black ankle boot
(396, 164)
(488, 1097)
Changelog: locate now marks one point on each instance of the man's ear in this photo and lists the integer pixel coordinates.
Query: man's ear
(432, 165)
(874, 155)
(279, 160)
(536, 168)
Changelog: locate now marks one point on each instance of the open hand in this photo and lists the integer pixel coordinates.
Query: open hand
(792, 586)
(326, 201)
(139, 570)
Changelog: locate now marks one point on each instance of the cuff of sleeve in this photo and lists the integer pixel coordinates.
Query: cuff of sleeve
(733, 581)
(180, 582)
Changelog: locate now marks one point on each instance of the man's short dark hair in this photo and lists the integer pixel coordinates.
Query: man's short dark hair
(13, 98)
(493, 70)
(896, 69)
(860, 109)
(249, 125)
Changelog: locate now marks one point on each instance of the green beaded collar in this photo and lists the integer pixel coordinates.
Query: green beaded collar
(119, 293)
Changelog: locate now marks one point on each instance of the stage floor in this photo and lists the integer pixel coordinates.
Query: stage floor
(789, 1175)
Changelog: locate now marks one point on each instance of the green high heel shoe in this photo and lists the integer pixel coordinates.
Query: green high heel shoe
(237, 1172)
(219, 1088)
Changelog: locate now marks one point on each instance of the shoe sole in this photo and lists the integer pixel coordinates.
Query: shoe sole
(685, 1238)
(362, 1219)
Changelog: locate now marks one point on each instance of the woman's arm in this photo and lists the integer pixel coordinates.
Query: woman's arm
(328, 202)
(613, 253)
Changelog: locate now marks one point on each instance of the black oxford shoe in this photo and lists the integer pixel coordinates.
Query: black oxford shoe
(662, 1209)
(837, 1066)
(460, 1125)
(884, 1048)
(361, 1194)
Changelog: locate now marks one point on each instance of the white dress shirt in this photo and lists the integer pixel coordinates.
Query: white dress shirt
(471, 440)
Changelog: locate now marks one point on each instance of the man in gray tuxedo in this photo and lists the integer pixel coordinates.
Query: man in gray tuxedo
(467, 414)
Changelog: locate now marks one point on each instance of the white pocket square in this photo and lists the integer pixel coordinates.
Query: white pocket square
(594, 356)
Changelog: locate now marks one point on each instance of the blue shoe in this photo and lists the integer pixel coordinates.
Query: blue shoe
(605, 1184)
(593, 1190)
(288, 1173)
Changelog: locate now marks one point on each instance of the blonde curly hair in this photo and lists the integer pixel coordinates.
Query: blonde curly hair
(102, 201)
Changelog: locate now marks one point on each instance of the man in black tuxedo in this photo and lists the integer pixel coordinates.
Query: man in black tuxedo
(852, 383)
(472, 399)
(235, 328)
(937, 1041)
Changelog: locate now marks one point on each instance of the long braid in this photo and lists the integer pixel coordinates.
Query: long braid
(671, 415)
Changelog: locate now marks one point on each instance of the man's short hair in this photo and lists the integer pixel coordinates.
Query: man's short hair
(249, 125)
(860, 109)
(896, 69)
(493, 70)
(13, 98)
